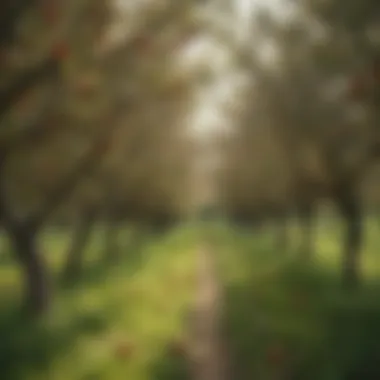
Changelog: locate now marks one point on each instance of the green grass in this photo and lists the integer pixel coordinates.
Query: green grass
(288, 320)
(284, 319)
(117, 323)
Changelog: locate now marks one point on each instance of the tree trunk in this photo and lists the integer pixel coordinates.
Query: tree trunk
(350, 209)
(74, 262)
(36, 279)
(282, 241)
(111, 246)
(306, 248)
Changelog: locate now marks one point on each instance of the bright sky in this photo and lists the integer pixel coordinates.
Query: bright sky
(210, 116)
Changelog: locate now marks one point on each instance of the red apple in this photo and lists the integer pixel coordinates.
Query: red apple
(50, 11)
(60, 51)
(104, 146)
(124, 349)
(142, 44)
(178, 347)
(358, 88)
(276, 355)
(84, 88)
(87, 84)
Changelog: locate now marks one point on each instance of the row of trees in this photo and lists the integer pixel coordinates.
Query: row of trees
(309, 129)
(92, 112)
(93, 106)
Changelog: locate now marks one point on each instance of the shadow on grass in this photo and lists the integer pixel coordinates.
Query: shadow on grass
(30, 349)
(171, 365)
(29, 346)
(294, 322)
(130, 258)
(96, 270)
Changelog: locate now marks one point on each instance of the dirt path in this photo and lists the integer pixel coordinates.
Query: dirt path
(208, 349)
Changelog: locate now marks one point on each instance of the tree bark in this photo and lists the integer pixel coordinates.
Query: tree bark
(306, 248)
(38, 294)
(82, 233)
(30, 77)
(350, 210)
(111, 246)
(282, 241)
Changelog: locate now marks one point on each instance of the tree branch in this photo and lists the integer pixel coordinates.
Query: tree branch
(23, 82)
(86, 164)
(10, 13)
(150, 27)
(34, 130)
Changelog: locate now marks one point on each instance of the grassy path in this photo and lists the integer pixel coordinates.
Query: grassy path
(122, 324)
(255, 314)
(286, 320)
(208, 353)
